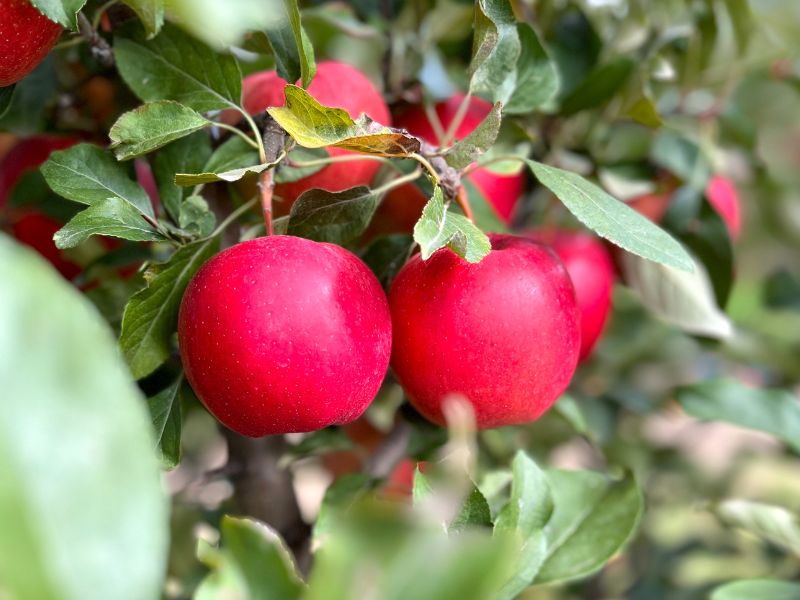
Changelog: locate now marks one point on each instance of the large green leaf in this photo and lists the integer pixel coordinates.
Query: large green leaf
(757, 589)
(78, 477)
(537, 77)
(774, 524)
(175, 66)
(335, 217)
(294, 54)
(186, 155)
(440, 228)
(253, 563)
(6, 95)
(496, 49)
(774, 411)
(685, 299)
(165, 412)
(63, 12)
(151, 315)
(477, 142)
(610, 218)
(152, 126)
(113, 217)
(594, 517)
(313, 125)
(86, 174)
(151, 14)
(599, 87)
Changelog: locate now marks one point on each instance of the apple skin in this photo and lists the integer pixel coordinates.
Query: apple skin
(335, 84)
(282, 334)
(27, 225)
(724, 198)
(500, 191)
(591, 270)
(26, 36)
(504, 333)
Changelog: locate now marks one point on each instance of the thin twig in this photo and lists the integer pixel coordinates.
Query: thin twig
(100, 49)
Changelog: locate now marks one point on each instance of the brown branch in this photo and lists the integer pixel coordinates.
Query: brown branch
(99, 47)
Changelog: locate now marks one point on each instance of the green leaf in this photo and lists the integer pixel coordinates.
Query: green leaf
(610, 218)
(78, 478)
(113, 217)
(599, 86)
(253, 563)
(86, 174)
(482, 138)
(152, 126)
(593, 519)
(685, 299)
(526, 514)
(343, 492)
(6, 96)
(186, 155)
(196, 217)
(387, 255)
(192, 179)
(757, 589)
(175, 66)
(771, 523)
(439, 227)
(286, 173)
(334, 217)
(165, 413)
(537, 77)
(421, 488)
(63, 12)
(644, 111)
(150, 13)
(682, 157)
(313, 125)
(484, 213)
(782, 291)
(744, 22)
(474, 512)
(294, 54)
(235, 153)
(151, 315)
(774, 411)
(495, 50)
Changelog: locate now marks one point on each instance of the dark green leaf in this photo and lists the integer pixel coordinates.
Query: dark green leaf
(335, 217)
(78, 477)
(186, 155)
(63, 12)
(439, 228)
(113, 217)
(86, 174)
(682, 157)
(150, 13)
(196, 217)
(28, 112)
(175, 66)
(593, 519)
(313, 125)
(286, 173)
(474, 512)
(152, 126)
(685, 299)
(774, 524)
(387, 255)
(495, 51)
(537, 78)
(165, 412)
(482, 138)
(612, 219)
(484, 213)
(775, 411)
(782, 291)
(151, 315)
(6, 95)
(294, 54)
(599, 86)
(253, 563)
(757, 589)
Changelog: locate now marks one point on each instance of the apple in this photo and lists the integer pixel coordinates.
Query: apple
(723, 197)
(26, 36)
(338, 85)
(401, 208)
(282, 334)
(503, 333)
(591, 270)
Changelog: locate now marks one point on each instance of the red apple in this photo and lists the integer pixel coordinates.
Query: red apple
(591, 269)
(282, 334)
(36, 230)
(723, 197)
(335, 84)
(26, 36)
(501, 191)
(504, 332)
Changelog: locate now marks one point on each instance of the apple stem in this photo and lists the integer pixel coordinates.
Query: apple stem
(428, 166)
(463, 201)
(266, 185)
(457, 119)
